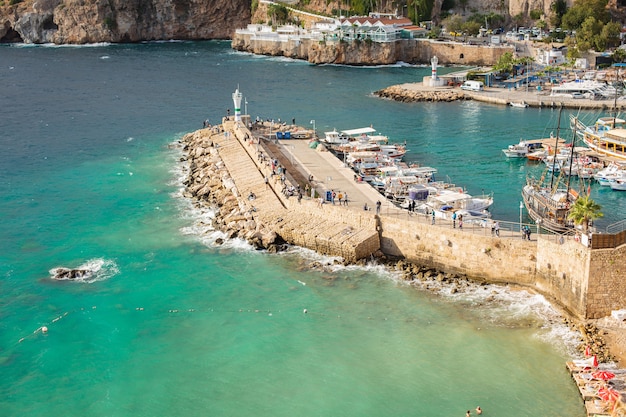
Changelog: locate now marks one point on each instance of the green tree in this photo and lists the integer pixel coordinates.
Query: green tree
(611, 32)
(278, 13)
(541, 24)
(573, 54)
(590, 35)
(535, 14)
(419, 10)
(505, 63)
(453, 24)
(584, 210)
(471, 28)
(434, 33)
(576, 15)
(619, 55)
(559, 8)
(359, 7)
(519, 19)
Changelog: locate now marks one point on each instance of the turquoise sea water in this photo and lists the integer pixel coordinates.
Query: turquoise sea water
(171, 325)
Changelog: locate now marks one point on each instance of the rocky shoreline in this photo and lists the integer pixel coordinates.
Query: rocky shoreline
(209, 186)
(407, 95)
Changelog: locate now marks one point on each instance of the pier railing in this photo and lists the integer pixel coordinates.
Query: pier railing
(476, 226)
(607, 241)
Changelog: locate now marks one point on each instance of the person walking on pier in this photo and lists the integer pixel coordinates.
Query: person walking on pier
(497, 228)
(454, 220)
(378, 204)
(345, 199)
(340, 197)
(433, 216)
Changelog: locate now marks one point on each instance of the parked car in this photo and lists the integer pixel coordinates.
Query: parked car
(577, 95)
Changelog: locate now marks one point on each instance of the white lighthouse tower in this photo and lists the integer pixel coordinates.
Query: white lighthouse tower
(237, 101)
(433, 80)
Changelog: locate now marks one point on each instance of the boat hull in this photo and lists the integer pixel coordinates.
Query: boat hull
(619, 185)
(550, 214)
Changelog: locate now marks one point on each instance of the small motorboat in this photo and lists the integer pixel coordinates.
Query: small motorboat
(519, 104)
(519, 150)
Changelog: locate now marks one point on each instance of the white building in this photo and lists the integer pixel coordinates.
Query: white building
(551, 57)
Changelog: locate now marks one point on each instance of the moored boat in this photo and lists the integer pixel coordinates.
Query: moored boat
(362, 135)
(539, 148)
(612, 171)
(549, 207)
(446, 201)
(548, 200)
(606, 137)
(519, 150)
(618, 184)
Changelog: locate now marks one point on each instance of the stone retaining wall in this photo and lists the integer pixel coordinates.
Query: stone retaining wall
(480, 257)
(607, 289)
(413, 51)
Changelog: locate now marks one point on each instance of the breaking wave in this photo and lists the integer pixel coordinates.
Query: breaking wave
(91, 271)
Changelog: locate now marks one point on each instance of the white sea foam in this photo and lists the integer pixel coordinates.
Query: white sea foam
(279, 58)
(504, 306)
(399, 64)
(97, 269)
(199, 218)
(54, 45)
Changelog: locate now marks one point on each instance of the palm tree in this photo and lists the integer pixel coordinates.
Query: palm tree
(583, 210)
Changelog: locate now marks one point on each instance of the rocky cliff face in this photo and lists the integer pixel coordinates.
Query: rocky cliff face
(88, 21)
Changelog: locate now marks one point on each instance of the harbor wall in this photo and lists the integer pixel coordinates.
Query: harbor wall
(563, 273)
(480, 257)
(413, 51)
(586, 283)
(606, 290)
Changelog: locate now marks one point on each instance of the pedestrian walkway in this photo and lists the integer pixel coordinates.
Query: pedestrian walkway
(329, 173)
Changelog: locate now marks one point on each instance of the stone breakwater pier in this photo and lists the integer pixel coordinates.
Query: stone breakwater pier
(418, 92)
(230, 167)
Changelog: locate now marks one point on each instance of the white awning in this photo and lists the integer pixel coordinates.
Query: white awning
(363, 130)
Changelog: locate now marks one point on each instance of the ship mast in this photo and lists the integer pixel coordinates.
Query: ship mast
(556, 146)
(571, 157)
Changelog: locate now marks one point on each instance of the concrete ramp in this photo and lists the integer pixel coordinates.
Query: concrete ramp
(327, 229)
